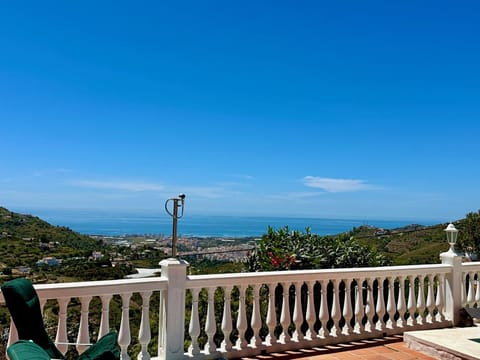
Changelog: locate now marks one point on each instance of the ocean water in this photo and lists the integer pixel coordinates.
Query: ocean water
(121, 223)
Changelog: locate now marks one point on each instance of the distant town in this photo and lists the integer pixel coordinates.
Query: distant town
(214, 248)
(142, 246)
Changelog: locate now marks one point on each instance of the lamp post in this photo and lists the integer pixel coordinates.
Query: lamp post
(452, 234)
(178, 202)
(454, 281)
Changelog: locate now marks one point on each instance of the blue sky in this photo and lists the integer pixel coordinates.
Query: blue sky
(340, 109)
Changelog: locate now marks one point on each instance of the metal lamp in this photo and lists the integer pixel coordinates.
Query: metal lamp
(452, 234)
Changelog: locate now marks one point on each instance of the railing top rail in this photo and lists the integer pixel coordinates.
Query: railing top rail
(112, 287)
(197, 281)
(471, 266)
(97, 288)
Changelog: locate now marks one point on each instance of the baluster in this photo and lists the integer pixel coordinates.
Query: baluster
(477, 291)
(285, 315)
(194, 326)
(83, 338)
(380, 307)
(256, 322)
(310, 312)
(421, 300)
(347, 308)
(463, 298)
(162, 326)
(430, 299)
(401, 306)
(323, 312)
(411, 305)
(297, 312)
(336, 313)
(391, 306)
(470, 294)
(144, 335)
(104, 320)
(271, 316)
(210, 326)
(227, 327)
(124, 333)
(359, 309)
(369, 307)
(440, 299)
(61, 338)
(241, 319)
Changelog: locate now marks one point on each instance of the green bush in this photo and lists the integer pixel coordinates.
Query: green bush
(283, 249)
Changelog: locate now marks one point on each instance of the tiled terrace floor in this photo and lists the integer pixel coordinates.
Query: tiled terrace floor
(381, 349)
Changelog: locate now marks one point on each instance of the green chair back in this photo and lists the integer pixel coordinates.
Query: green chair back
(24, 306)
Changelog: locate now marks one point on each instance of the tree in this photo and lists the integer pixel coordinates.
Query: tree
(470, 239)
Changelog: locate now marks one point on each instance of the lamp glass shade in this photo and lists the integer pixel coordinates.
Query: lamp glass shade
(452, 234)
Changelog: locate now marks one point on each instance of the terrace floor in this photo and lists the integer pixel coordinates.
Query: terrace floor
(451, 343)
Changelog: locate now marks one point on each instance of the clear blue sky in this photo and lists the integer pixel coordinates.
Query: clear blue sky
(340, 109)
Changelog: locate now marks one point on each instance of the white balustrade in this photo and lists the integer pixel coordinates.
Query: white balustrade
(235, 315)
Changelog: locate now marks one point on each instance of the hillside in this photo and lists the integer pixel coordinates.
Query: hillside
(24, 239)
(413, 244)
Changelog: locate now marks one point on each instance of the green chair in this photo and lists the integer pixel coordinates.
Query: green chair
(24, 306)
(24, 349)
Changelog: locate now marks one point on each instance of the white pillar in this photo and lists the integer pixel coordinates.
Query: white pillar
(175, 270)
(453, 286)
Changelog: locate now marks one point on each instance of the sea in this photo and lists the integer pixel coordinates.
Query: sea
(117, 223)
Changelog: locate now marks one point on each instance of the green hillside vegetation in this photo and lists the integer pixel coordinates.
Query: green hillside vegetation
(417, 244)
(24, 239)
